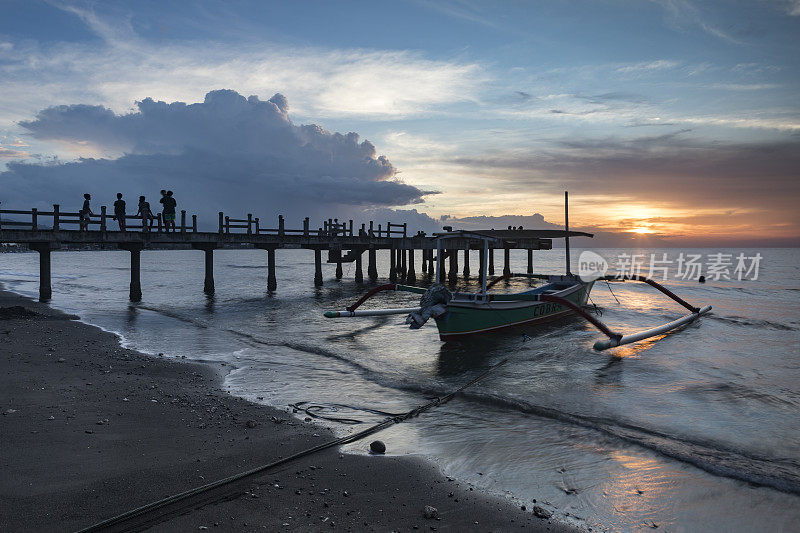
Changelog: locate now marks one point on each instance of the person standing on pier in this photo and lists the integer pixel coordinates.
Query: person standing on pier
(146, 214)
(167, 209)
(85, 212)
(119, 211)
(169, 204)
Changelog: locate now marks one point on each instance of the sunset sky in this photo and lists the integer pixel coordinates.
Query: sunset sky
(673, 119)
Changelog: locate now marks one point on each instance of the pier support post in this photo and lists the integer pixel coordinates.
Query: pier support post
(481, 266)
(453, 274)
(45, 287)
(372, 268)
(424, 261)
(359, 275)
(208, 250)
(430, 264)
(530, 261)
(466, 263)
(317, 267)
(403, 262)
(339, 270)
(506, 261)
(272, 282)
(392, 266)
(491, 261)
(411, 275)
(136, 277)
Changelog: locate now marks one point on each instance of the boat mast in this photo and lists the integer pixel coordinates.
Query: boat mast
(566, 226)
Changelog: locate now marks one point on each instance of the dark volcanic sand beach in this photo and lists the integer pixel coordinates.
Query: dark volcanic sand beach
(90, 430)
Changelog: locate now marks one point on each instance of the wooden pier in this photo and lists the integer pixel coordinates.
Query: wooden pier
(45, 231)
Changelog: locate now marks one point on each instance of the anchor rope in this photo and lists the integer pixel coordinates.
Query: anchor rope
(612, 292)
(155, 506)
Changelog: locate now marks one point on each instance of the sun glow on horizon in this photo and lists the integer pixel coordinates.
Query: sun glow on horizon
(642, 231)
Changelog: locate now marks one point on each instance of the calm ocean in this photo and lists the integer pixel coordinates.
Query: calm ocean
(699, 430)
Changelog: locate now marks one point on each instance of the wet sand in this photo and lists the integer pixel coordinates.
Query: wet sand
(90, 430)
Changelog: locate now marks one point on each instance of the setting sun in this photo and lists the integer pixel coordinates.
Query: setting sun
(642, 230)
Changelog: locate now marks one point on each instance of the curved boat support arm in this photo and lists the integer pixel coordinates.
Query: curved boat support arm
(656, 286)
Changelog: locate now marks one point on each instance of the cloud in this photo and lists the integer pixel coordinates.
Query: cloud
(322, 83)
(673, 169)
(646, 66)
(9, 153)
(683, 13)
(227, 153)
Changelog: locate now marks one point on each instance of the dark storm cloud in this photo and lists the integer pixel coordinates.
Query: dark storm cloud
(227, 153)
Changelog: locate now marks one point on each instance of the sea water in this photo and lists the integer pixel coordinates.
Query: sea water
(696, 430)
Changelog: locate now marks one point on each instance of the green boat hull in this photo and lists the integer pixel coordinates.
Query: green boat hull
(464, 318)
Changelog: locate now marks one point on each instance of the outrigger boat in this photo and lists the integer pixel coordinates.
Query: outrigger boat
(462, 314)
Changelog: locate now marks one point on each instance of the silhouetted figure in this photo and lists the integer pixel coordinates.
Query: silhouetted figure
(85, 212)
(146, 214)
(168, 210)
(171, 204)
(119, 211)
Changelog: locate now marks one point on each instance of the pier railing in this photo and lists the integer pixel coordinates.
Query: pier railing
(57, 220)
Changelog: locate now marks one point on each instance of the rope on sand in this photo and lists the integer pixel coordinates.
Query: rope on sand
(140, 512)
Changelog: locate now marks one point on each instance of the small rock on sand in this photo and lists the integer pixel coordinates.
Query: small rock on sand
(377, 446)
(252, 423)
(541, 512)
(430, 512)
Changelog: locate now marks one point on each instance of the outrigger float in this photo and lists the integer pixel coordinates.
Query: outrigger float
(461, 314)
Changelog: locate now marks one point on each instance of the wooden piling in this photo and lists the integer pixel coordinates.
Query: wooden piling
(272, 282)
(392, 265)
(453, 274)
(466, 263)
(136, 284)
(208, 251)
(411, 275)
(45, 287)
(208, 283)
(506, 261)
(339, 270)
(372, 267)
(404, 262)
(359, 275)
(431, 264)
(491, 261)
(424, 261)
(317, 267)
(481, 266)
(530, 261)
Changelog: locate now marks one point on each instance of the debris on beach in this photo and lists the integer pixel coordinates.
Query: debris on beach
(430, 512)
(377, 446)
(541, 512)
